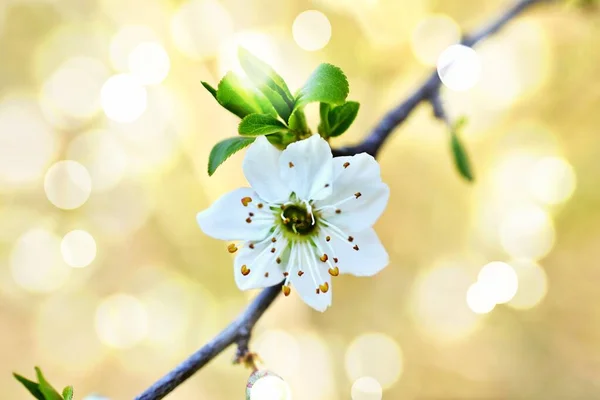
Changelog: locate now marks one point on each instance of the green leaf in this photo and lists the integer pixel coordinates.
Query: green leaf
(210, 89)
(32, 387)
(240, 99)
(47, 390)
(260, 124)
(269, 82)
(224, 149)
(324, 128)
(326, 84)
(298, 122)
(68, 393)
(340, 118)
(461, 158)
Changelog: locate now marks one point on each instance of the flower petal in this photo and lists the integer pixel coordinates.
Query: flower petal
(359, 196)
(227, 218)
(261, 266)
(261, 168)
(369, 259)
(307, 168)
(304, 259)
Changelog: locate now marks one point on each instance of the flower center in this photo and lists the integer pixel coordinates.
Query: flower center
(298, 219)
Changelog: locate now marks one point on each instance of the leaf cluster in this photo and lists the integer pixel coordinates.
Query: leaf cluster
(42, 390)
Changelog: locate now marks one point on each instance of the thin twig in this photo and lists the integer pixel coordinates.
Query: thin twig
(374, 142)
(239, 331)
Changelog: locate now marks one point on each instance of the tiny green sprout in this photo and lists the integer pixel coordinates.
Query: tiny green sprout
(42, 390)
(267, 107)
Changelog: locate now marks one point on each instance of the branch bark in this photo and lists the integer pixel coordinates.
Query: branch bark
(240, 330)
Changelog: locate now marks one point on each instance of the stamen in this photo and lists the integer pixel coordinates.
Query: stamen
(327, 238)
(246, 200)
(248, 220)
(278, 260)
(273, 239)
(324, 287)
(266, 274)
(338, 211)
(232, 248)
(335, 260)
(273, 250)
(324, 258)
(350, 239)
(300, 273)
(346, 164)
(291, 164)
(317, 291)
(327, 185)
(355, 247)
(245, 270)
(286, 274)
(286, 290)
(259, 205)
(357, 194)
(251, 214)
(335, 271)
(251, 245)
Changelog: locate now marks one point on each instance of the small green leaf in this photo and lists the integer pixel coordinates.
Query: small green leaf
(269, 82)
(32, 387)
(326, 84)
(262, 74)
(210, 89)
(260, 124)
(240, 99)
(461, 158)
(340, 118)
(68, 393)
(298, 121)
(47, 390)
(224, 149)
(324, 128)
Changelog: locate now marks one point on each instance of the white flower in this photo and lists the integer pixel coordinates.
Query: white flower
(307, 217)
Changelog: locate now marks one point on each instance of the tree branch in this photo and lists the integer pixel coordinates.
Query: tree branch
(239, 331)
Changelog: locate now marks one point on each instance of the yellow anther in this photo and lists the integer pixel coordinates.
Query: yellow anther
(328, 238)
(286, 290)
(273, 240)
(324, 287)
(291, 164)
(259, 205)
(245, 270)
(335, 271)
(246, 201)
(324, 258)
(346, 164)
(357, 194)
(232, 248)
(300, 273)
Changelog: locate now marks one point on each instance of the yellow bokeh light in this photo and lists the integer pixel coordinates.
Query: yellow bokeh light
(499, 280)
(527, 231)
(124, 99)
(459, 67)
(36, 262)
(311, 30)
(270, 388)
(376, 355)
(78, 248)
(280, 351)
(439, 307)
(552, 180)
(200, 27)
(102, 154)
(366, 388)
(27, 143)
(67, 184)
(76, 351)
(150, 63)
(533, 284)
(72, 92)
(125, 41)
(315, 367)
(432, 36)
(121, 321)
(479, 299)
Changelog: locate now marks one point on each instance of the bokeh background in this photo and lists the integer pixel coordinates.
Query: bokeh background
(106, 282)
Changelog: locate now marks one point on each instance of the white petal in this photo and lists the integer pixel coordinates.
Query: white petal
(358, 193)
(306, 166)
(259, 261)
(261, 168)
(369, 259)
(226, 218)
(314, 275)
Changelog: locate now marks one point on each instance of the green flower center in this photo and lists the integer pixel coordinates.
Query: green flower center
(296, 219)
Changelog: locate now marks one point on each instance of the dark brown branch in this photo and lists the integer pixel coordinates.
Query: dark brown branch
(239, 331)
(374, 142)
